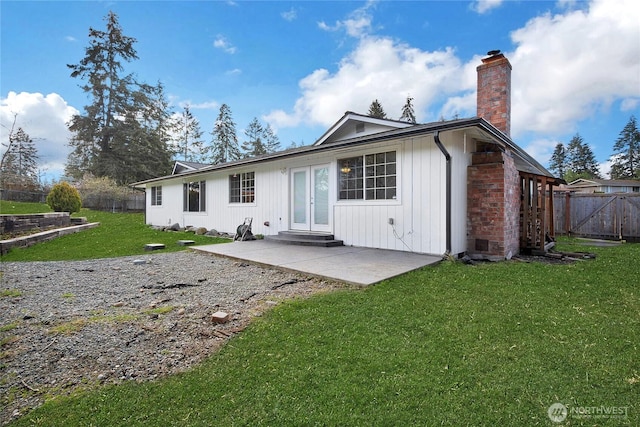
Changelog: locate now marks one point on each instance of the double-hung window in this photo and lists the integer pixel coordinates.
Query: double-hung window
(242, 187)
(156, 196)
(368, 177)
(193, 196)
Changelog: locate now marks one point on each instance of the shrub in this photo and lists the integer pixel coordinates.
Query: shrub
(64, 198)
(102, 192)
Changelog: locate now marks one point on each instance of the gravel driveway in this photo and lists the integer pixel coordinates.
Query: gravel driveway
(66, 325)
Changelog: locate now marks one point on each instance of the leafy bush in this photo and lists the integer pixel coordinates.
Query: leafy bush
(64, 198)
(102, 192)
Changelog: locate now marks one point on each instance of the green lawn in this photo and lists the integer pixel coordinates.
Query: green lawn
(119, 234)
(20, 208)
(455, 345)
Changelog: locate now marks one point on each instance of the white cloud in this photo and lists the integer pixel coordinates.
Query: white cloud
(566, 4)
(289, 15)
(542, 149)
(358, 24)
(207, 105)
(629, 104)
(44, 119)
(569, 67)
(605, 168)
(566, 68)
(378, 68)
(222, 43)
(483, 6)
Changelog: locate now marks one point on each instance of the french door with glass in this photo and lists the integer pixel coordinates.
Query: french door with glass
(310, 198)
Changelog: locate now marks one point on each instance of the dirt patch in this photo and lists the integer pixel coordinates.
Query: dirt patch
(67, 326)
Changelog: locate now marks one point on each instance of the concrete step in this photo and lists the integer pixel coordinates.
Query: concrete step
(305, 239)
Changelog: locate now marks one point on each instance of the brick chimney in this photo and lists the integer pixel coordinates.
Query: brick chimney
(494, 91)
(493, 182)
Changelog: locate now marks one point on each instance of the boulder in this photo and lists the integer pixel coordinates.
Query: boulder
(174, 227)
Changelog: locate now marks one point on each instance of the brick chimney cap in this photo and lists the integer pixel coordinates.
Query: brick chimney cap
(493, 52)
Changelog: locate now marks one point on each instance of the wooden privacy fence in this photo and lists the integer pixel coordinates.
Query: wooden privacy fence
(611, 216)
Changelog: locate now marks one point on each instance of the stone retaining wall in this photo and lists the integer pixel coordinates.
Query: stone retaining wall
(43, 236)
(30, 222)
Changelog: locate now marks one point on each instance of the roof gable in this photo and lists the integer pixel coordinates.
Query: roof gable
(182, 166)
(353, 125)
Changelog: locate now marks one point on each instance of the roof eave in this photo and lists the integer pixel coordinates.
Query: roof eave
(377, 137)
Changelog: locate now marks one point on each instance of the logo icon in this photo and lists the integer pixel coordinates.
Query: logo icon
(557, 412)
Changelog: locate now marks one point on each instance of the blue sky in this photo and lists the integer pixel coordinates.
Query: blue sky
(299, 65)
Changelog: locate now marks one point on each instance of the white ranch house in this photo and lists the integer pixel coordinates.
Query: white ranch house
(460, 186)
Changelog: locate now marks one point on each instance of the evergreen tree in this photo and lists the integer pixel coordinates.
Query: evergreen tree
(157, 123)
(254, 145)
(271, 140)
(260, 140)
(376, 110)
(408, 114)
(225, 142)
(144, 145)
(188, 137)
(558, 161)
(626, 153)
(19, 164)
(123, 113)
(581, 162)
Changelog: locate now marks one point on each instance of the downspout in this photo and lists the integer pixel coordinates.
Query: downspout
(447, 156)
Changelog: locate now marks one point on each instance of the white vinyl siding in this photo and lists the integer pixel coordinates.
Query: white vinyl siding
(418, 209)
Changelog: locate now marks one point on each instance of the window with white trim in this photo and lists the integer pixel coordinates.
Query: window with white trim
(193, 196)
(368, 177)
(156, 195)
(242, 187)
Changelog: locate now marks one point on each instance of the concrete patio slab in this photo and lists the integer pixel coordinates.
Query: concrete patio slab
(361, 266)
